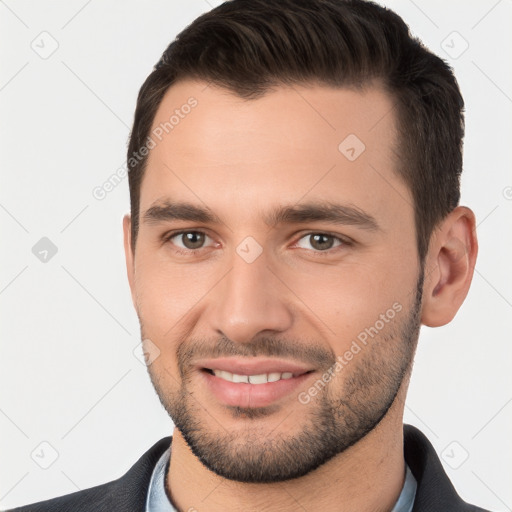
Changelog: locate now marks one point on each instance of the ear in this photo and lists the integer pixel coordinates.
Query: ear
(128, 254)
(449, 266)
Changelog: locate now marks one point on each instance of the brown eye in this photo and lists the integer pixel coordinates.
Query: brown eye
(193, 239)
(319, 242)
(190, 240)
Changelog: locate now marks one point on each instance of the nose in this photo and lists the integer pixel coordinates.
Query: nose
(250, 300)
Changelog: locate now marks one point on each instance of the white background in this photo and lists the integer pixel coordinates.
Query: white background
(68, 374)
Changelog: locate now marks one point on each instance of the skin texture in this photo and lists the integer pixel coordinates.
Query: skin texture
(298, 301)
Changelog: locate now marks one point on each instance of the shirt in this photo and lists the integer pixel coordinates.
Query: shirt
(158, 501)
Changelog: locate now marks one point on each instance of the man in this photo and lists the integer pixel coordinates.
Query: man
(294, 182)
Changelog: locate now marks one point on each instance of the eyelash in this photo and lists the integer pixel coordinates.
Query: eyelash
(187, 252)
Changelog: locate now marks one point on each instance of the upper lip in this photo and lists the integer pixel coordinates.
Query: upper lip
(253, 365)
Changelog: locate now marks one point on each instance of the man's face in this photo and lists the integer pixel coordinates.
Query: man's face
(284, 331)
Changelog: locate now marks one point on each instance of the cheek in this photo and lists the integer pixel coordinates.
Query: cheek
(167, 293)
(348, 299)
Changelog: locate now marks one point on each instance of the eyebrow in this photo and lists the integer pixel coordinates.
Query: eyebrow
(325, 211)
(167, 210)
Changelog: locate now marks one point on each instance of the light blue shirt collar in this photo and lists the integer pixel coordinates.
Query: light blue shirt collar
(157, 500)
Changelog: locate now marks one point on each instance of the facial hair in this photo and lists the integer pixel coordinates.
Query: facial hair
(350, 406)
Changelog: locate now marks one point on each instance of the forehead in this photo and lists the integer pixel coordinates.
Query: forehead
(211, 146)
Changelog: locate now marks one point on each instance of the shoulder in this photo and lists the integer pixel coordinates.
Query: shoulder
(435, 492)
(126, 494)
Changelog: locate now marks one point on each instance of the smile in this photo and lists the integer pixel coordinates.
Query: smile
(256, 390)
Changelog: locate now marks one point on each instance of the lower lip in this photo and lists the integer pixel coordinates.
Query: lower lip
(252, 395)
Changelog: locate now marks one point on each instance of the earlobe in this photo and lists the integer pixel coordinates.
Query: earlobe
(129, 256)
(449, 267)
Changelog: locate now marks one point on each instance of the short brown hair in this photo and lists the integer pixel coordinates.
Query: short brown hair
(251, 46)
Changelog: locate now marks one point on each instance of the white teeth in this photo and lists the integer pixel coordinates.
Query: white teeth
(261, 378)
(258, 379)
(224, 375)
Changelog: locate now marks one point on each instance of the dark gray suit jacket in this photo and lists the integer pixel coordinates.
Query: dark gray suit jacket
(435, 493)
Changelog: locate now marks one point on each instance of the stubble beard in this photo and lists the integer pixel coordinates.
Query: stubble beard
(344, 412)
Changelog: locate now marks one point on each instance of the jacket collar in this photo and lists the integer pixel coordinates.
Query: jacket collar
(435, 492)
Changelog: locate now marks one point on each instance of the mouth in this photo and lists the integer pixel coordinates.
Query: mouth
(252, 382)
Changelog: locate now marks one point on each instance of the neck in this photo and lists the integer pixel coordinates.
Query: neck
(367, 477)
